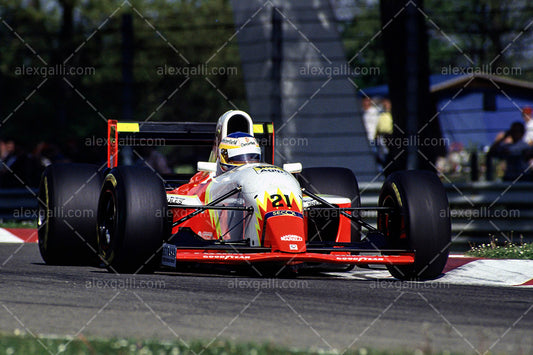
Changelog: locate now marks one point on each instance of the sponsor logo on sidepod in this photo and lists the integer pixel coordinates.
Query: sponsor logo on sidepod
(226, 257)
(176, 200)
(291, 238)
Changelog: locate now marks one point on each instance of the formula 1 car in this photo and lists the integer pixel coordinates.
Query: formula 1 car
(255, 213)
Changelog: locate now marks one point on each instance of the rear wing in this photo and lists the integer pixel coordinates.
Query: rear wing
(136, 134)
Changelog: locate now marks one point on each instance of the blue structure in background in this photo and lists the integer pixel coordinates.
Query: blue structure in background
(473, 108)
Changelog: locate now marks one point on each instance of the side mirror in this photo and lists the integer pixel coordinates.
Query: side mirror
(293, 168)
(206, 166)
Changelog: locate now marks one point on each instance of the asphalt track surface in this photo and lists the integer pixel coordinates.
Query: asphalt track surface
(311, 312)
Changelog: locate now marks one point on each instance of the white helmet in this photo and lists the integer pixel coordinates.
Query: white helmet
(237, 149)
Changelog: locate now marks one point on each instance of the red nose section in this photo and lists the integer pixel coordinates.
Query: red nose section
(285, 233)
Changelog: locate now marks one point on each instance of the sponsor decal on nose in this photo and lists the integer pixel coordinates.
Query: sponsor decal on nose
(292, 238)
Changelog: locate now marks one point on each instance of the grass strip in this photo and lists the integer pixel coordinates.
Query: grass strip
(18, 224)
(507, 251)
(26, 344)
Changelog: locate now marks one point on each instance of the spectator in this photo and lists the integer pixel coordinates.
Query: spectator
(3, 149)
(511, 147)
(48, 153)
(384, 132)
(18, 167)
(153, 158)
(528, 121)
(385, 125)
(8, 162)
(370, 118)
(8, 153)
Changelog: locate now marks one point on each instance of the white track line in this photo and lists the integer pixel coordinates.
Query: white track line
(491, 273)
(483, 272)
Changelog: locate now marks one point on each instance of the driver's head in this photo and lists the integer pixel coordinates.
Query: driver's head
(517, 131)
(237, 149)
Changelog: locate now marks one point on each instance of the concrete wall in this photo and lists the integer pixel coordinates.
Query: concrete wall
(321, 121)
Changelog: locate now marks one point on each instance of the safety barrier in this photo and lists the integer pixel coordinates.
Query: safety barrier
(479, 211)
(18, 204)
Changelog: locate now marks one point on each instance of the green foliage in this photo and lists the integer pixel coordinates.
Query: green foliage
(481, 32)
(179, 34)
(507, 251)
(184, 34)
(25, 344)
(18, 224)
(362, 44)
(461, 34)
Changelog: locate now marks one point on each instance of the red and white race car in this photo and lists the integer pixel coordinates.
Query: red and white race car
(237, 209)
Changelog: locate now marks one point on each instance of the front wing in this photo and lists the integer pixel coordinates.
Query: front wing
(173, 254)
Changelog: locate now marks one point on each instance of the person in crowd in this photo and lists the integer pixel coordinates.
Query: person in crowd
(8, 162)
(370, 118)
(18, 168)
(528, 122)
(48, 153)
(153, 158)
(511, 147)
(7, 152)
(385, 125)
(384, 130)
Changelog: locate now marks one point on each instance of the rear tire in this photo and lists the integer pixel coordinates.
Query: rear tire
(132, 220)
(421, 222)
(332, 181)
(68, 201)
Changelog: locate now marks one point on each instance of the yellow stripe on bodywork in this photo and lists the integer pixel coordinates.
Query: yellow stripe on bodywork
(214, 216)
(128, 127)
(258, 128)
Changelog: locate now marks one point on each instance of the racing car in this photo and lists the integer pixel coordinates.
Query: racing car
(238, 209)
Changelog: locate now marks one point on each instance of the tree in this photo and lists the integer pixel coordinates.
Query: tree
(461, 34)
(487, 32)
(363, 44)
(86, 34)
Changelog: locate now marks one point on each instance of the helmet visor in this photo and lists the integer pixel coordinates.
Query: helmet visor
(243, 155)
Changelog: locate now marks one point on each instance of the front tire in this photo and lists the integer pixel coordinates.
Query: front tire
(132, 220)
(420, 222)
(68, 201)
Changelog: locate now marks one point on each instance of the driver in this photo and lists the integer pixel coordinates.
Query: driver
(237, 149)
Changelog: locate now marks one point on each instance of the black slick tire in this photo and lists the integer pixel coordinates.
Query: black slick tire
(68, 201)
(420, 223)
(132, 220)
